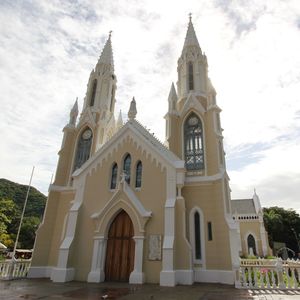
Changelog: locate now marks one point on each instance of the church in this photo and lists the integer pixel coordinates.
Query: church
(126, 207)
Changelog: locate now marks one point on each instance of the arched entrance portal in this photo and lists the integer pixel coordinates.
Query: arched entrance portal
(120, 249)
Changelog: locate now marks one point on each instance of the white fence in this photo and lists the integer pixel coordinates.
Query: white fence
(268, 274)
(14, 269)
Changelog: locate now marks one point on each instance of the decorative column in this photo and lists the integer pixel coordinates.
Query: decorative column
(137, 275)
(97, 269)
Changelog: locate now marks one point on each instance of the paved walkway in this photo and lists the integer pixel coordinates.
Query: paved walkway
(45, 289)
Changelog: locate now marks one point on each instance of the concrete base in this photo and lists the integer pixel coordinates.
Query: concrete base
(137, 277)
(62, 274)
(96, 276)
(214, 276)
(39, 272)
(167, 278)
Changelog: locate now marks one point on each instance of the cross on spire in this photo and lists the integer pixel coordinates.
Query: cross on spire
(190, 17)
(110, 32)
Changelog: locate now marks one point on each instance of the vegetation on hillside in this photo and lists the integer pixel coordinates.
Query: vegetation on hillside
(12, 198)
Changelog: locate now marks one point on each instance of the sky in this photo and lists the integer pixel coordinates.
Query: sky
(48, 49)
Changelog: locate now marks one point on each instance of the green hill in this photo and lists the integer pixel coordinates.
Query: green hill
(12, 198)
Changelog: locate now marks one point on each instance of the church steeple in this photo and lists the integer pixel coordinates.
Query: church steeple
(106, 56)
(101, 89)
(192, 67)
(190, 38)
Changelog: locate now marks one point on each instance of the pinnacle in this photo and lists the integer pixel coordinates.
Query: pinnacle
(120, 120)
(132, 110)
(191, 38)
(75, 106)
(106, 56)
(172, 94)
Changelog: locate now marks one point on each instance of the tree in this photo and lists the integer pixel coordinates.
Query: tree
(7, 213)
(283, 225)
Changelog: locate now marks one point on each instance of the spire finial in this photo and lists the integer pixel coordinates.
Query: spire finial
(132, 110)
(109, 35)
(190, 17)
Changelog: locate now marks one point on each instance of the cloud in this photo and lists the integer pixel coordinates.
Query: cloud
(48, 49)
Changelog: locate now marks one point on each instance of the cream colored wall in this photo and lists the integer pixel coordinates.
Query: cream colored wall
(97, 193)
(252, 227)
(49, 235)
(65, 158)
(208, 197)
(183, 253)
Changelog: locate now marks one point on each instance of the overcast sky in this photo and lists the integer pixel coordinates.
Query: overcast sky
(48, 49)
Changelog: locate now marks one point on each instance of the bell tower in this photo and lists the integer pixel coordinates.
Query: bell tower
(99, 101)
(193, 130)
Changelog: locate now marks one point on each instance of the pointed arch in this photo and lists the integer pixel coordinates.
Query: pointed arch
(251, 244)
(114, 176)
(93, 94)
(83, 148)
(193, 143)
(138, 174)
(127, 167)
(197, 238)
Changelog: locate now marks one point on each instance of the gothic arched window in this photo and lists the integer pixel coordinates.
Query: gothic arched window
(197, 233)
(114, 176)
(126, 167)
(93, 94)
(191, 76)
(83, 148)
(251, 244)
(193, 143)
(138, 178)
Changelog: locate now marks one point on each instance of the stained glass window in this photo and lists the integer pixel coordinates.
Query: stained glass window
(139, 169)
(193, 140)
(126, 167)
(197, 236)
(83, 148)
(114, 176)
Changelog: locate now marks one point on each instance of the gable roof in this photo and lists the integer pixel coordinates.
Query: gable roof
(243, 206)
(141, 132)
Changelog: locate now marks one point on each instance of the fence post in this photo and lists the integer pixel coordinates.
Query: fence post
(237, 275)
(279, 268)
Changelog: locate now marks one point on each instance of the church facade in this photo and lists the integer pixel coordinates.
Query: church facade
(125, 207)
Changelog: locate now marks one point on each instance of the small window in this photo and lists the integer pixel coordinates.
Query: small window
(139, 170)
(114, 176)
(126, 167)
(209, 230)
(197, 236)
(93, 94)
(191, 76)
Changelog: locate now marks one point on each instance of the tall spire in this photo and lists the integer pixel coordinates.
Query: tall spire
(106, 56)
(190, 38)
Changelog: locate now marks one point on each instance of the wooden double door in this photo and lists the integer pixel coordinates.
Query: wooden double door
(120, 249)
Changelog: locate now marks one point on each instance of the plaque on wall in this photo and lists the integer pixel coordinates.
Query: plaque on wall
(154, 252)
